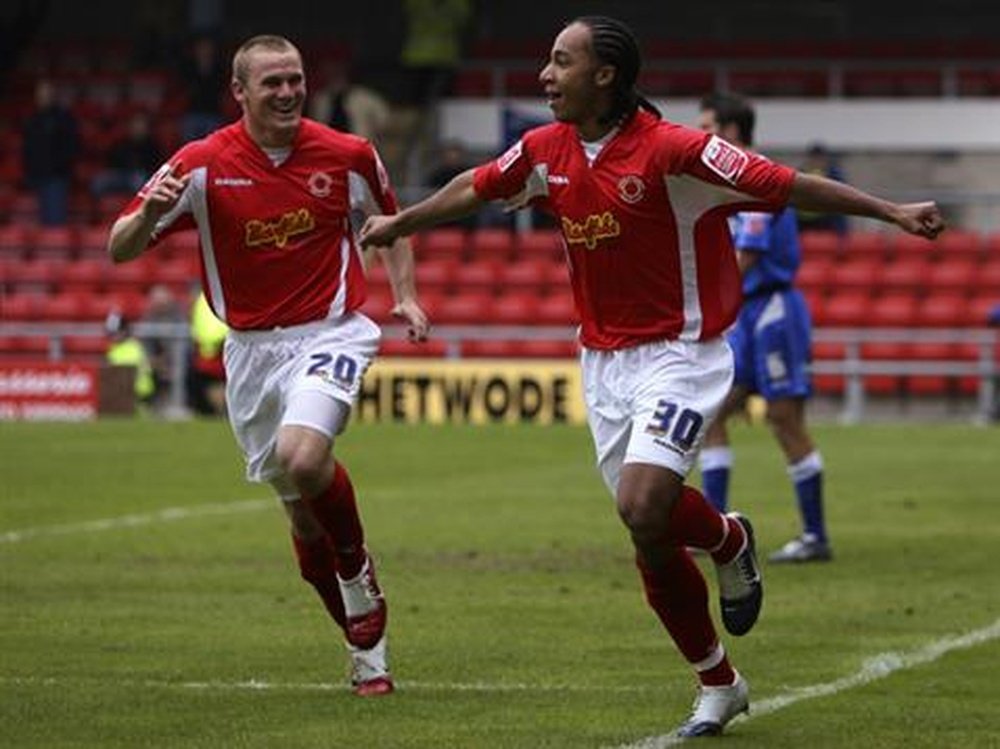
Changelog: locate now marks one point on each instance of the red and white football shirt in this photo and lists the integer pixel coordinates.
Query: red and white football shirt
(644, 226)
(277, 247)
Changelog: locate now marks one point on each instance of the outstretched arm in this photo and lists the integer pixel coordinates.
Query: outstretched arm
(456, 199)
(815, 193)
(398, 260)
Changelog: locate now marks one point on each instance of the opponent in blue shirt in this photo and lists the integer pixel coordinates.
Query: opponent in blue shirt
(771, 346)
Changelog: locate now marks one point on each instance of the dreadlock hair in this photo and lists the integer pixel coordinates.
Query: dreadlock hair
(614, 44)
(732, 109)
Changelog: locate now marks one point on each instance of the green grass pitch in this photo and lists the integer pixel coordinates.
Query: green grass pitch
(516, 616)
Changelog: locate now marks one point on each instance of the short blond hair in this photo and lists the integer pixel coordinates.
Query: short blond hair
(241, 65)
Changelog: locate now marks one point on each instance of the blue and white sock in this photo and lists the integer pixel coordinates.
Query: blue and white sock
(807, 476)
(715, 464)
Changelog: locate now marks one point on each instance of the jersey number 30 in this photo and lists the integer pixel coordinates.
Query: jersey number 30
(683, 431)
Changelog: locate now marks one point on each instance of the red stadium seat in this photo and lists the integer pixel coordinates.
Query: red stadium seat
(64, 307)
(978, 309)
(182, 244)
(16, 240)
(136, 274)
(34, 275)
(557, 309)
(847, 309)
(987, 280)
(540, 243)
(883, 384)
(893, 311)
(437, 273)
(956, 244)
(479, 273)
(85, 275)
(942, 311)
(378, 304)
(92, 242)
(129, 302)
(814, 274)
(178, 273)
(491, 243)
(855, 274)
(929, 384)
(443, 242)
(85, 347)
(910, 245)
(953, 275)
(515, 308)
(21, 307)
(816, 244)
(55, 242)
(470, 308)
(905, 274)
(528, 273)
(866, 244)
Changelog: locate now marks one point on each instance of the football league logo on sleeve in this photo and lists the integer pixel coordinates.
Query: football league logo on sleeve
(724, 159)
(510, 156)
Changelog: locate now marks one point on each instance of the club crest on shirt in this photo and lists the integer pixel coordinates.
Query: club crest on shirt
(278, 231)
(724, 159)
(631, 188)
(591, 230)
(320, 184)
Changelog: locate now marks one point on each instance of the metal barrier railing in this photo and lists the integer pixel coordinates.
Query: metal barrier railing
(853, 366)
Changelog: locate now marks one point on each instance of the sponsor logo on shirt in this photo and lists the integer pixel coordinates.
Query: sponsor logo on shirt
(593, 229)
(510, 156)
(631, 188)
(232, 182)
(724, 159)
(278, 231)
(320, 184)
(558, 179)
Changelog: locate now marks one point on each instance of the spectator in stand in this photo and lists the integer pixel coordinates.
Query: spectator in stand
(820, 161)
(125, 350)
(50, 149)
(348, 106)
(19, 25)
(162, 308)
(642, 204)
(207, 374)
(206, 76)
(453, 159)
(433, 46)
(131, 159)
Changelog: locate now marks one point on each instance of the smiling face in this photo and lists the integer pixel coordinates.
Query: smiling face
(577, 86)
(270, 86)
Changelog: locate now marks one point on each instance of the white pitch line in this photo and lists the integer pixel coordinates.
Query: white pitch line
(873, 669)
(256, 685)
(167, 515)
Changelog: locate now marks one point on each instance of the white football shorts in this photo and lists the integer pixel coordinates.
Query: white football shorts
(268, 370)
(654, 402)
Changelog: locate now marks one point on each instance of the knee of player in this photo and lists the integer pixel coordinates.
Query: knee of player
(303, 466)
(641, 514)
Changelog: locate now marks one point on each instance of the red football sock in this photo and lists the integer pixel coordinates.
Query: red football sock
(337, 511)
(679, 596)
(318, 566)
(695, 523)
